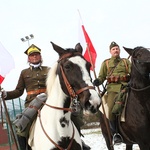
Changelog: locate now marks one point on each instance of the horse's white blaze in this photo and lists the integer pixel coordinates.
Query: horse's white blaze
(94, 99)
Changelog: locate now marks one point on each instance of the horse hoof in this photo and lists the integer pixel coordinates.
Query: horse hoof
(117, 139)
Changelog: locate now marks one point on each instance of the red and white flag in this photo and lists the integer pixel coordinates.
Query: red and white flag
(6, 63)
(90, 53)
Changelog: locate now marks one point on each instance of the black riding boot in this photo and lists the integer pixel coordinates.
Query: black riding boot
(117, 139)
(23, 144)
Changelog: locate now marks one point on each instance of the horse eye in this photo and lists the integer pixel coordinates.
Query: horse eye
(139, 54)
(68, 67)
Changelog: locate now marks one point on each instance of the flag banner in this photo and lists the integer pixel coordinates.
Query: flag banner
(90, 53)
(6, 63)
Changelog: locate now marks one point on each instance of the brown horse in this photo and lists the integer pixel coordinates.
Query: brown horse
(136, 128)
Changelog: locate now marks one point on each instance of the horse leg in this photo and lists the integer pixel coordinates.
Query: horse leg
(105, 132)
(144, 147)
(129, 147)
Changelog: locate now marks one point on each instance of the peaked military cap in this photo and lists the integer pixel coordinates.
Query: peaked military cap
(113, 44)
(32, 49)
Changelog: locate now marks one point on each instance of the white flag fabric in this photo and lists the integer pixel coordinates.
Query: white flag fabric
(6, 63)
(90, 52)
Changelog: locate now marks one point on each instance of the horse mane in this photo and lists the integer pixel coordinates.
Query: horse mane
(139, 47)
(51, 77)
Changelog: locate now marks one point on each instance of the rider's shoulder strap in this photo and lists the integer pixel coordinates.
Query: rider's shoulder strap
(125, 62)
(106, 61)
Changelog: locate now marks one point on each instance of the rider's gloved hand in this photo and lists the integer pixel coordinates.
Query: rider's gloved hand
(96, 82)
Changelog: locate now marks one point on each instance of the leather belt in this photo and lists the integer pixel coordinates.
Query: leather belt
(117, 79)
(38, 91)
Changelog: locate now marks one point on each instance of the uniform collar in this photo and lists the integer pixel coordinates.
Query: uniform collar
(35, 66)
(116, 58)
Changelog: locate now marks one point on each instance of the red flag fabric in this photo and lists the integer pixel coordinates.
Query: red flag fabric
(6, 63)
(90, 53)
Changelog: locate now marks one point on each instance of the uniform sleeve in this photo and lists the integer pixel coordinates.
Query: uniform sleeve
(103, 72)
(18, 91)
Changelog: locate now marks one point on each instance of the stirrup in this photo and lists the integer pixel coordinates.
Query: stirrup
(117, 139)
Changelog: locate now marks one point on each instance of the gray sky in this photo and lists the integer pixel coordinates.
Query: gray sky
(126, 22)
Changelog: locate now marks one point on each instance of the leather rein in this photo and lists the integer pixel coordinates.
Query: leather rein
(73, 95)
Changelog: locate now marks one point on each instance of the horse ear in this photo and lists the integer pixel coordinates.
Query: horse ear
(128, 50)
(58, 49)
(79, 48)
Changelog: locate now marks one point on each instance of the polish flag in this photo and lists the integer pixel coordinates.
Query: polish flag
(90, 53)
(6, 63)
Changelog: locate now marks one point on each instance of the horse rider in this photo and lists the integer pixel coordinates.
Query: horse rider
(33, 80)
(116, 71)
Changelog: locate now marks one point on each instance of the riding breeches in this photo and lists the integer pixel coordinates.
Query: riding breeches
(110, 104)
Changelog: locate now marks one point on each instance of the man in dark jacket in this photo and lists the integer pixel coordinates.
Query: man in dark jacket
(32, 79)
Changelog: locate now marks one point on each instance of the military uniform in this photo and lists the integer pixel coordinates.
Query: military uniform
(33, 80)
(115, 79)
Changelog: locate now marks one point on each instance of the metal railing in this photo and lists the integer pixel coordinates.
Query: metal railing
(14, 107)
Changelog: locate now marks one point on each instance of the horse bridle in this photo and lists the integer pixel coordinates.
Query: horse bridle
(143, 75)
(73, 95)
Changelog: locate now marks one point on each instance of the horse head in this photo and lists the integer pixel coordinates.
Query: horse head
(140, 69)
(75, 79)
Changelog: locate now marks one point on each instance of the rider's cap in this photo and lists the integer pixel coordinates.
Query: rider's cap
(113, 44)
(32, 49)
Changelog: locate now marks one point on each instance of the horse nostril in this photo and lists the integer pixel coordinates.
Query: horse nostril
(63, 124)
(93, 109)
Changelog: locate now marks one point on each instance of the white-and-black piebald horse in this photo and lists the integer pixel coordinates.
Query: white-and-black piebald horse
(68, 82)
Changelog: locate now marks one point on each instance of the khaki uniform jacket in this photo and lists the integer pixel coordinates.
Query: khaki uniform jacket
(120, 70)
(30, 79)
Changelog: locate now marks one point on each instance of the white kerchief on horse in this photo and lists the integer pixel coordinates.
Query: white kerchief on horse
(68, 84)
